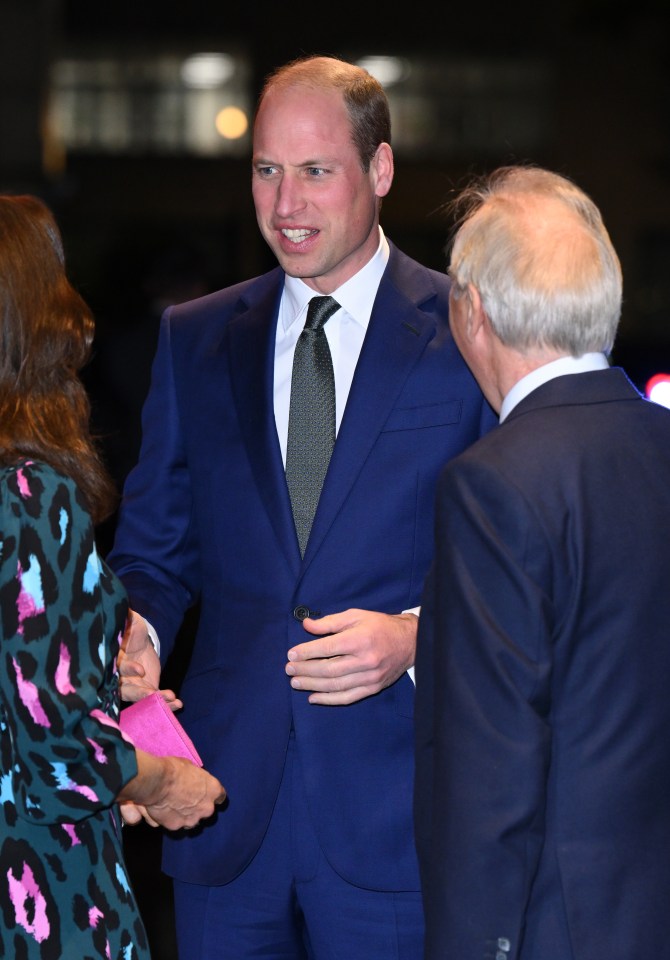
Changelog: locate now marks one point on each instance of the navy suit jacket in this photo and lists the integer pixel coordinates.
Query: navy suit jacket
(543, 668)
(206, 515)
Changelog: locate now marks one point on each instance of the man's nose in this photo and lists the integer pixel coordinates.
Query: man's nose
(289, 199)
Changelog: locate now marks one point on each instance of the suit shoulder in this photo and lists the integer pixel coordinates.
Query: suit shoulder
(524, 448)
(416, 281)
(225, 303)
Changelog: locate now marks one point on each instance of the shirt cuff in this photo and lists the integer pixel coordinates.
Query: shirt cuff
(410, 670)
(153, 636)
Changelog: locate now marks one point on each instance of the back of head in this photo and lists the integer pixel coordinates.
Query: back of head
(37, 304)
(363, 95)
(535, 247)
(46, 331)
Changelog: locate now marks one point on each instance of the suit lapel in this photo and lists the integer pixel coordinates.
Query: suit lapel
(400, 329)
(397, 336)
(251, 356)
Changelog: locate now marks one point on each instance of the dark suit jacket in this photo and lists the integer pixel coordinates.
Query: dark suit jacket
(543, 711)
(207, 514)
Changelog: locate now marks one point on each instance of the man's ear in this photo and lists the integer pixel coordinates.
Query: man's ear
(476, 317)
(382, 169)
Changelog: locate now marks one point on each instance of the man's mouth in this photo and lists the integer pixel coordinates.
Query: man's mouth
(297, 235)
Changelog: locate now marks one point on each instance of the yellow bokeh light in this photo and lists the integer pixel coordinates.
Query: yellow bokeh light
(232, 123)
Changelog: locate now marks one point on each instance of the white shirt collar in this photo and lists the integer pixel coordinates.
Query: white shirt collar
(556, 368)
(356, 296)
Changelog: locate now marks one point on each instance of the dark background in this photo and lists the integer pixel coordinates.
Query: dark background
(142, 229)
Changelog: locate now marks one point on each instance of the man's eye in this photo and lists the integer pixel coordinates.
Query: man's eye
(265, 171)
(316, 171)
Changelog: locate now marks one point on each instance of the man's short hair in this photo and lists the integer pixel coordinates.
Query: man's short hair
(363, 95)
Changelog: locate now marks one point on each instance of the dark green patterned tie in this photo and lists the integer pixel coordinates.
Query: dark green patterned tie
(311, 421)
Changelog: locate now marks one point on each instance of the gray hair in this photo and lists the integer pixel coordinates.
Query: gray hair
(536, 249)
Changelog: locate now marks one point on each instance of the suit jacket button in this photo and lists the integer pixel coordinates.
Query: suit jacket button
(301, 612)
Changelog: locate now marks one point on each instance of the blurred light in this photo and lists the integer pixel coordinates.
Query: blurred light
(207, 70)
(232, 123)
(388, 70)
(658, 389)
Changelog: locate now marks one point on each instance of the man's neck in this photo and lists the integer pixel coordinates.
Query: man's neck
(557, 367)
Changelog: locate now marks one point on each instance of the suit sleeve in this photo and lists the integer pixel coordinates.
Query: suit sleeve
(155, 548)
(483, 743)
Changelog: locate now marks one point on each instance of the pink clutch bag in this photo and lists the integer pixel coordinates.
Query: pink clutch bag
(153, 727)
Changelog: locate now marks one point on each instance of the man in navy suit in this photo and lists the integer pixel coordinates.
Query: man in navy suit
(542, 707)
(299, 691)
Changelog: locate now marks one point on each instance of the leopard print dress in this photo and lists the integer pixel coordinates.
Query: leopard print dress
(64, 890)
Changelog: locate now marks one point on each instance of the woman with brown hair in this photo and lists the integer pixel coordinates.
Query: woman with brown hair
(64, 762)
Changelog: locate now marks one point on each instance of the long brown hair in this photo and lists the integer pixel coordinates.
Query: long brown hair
(46, 332)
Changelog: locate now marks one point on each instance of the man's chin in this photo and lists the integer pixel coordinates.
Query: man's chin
(295, 265)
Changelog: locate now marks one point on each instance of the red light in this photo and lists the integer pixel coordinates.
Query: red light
(658, 389)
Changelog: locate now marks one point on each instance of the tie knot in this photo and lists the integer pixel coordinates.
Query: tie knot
(320, 310)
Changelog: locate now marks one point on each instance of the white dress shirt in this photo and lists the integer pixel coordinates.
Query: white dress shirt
(345, 332)
(556, 368)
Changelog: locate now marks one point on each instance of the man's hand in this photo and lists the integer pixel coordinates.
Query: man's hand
(139, 664)
(357, 653)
